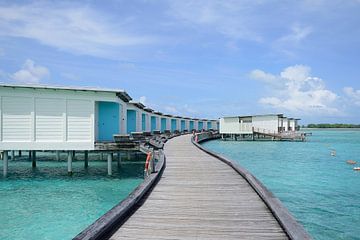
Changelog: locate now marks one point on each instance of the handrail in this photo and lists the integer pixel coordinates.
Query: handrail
(291, 226)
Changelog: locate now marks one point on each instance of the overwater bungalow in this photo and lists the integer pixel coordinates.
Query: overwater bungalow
(67, 118)
(52, 118)
(269, 126)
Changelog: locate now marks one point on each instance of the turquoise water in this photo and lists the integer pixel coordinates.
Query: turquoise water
(320, 190)
(46, 203)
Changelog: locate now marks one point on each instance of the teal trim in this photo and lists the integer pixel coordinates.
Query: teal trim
(191, 125)
(131, 121)
(173, 125)
(182, 125)
(201, 126)
(209, 125)
(108, 121)
(163, 124)
(153, 123)
(143, 122)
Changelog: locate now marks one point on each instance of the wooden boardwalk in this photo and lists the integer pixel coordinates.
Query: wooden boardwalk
(200, 197)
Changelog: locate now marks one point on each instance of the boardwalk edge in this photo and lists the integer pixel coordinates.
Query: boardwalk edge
(291, 226)
(115, 217)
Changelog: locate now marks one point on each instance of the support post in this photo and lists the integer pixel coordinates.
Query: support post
(57, 155)
(86, 159)
(128, 155)
(70, 158)
(119, 159)
(19, 153)
(12, 155)
(153, 162)
(109, 162)
(5, 163)
(33, 158)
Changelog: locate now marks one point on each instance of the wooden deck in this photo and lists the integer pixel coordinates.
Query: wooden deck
(200, 197)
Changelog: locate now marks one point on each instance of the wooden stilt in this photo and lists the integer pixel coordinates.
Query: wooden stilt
(86, 159)
(57, 155)
(12, 155)
(119, 159)
(33, 158)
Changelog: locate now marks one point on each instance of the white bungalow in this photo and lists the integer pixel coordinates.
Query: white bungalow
(270, 123)
(59, 118)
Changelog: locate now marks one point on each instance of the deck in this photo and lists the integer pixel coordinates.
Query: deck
(200, 197)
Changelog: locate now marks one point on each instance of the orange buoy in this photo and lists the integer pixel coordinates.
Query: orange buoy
(351, 162)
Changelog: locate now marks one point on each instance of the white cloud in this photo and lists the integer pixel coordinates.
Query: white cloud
(289, 43)
(297, 91)
(233, 19)
(75, 29)
(297, 34)
(353, 94)
(30, 73)
(142, 100)
(171, 110)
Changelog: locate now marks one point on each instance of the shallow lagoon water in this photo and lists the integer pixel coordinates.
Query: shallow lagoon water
(46, 203)
(320, 190)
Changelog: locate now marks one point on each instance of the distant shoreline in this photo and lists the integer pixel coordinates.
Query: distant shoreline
(329, 128)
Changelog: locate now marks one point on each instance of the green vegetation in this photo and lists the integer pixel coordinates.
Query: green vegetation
(334, 125)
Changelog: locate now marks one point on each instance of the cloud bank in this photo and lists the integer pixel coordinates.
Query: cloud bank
(30, 73)
(296, 90)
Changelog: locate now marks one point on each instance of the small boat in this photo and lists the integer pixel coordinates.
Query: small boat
(333, 153)
(351, 162)
(357, 168)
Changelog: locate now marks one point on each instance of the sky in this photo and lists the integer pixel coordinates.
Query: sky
(196, 58)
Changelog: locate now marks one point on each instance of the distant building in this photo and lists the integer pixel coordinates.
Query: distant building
(270, 125)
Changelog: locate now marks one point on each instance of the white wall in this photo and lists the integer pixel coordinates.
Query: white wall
(266, 123)
(48, 119)
(292, 124)
(285, 124)
(229, 125)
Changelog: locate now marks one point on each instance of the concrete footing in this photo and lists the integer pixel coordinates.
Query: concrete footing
(109, 163)
(69, 163)
(6, 163)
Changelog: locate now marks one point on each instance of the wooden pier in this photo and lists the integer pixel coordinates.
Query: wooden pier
(200, 197)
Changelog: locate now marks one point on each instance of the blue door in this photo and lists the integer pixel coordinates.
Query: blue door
(191, 125)
(182, 127)
(153, 123)
(108, 122)
(163, 124)
(217, 126)
(209, 126)
(131, 121)
(173, 125)
(143, 122)
(201, 126)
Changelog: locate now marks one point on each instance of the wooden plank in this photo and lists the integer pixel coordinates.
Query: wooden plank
(200, 197)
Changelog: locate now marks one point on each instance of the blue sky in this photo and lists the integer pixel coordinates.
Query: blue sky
(195, 58)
